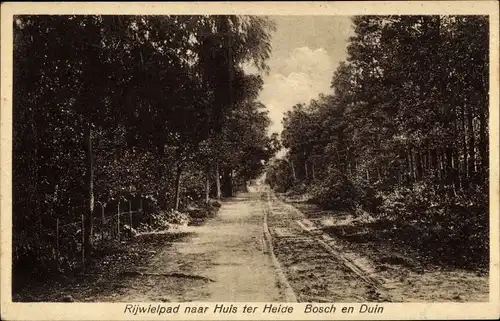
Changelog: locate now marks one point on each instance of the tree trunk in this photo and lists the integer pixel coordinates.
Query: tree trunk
(456, 169)
(410, 164)
(465, 182)
(423, 157)
(178, 186)
(398, 175)
(338, 155)
(305, 167)
(429, 162)
(312, 170)
(449, 165)
(434, 163)
(227, 182)
(418, 161)
(442, 167)
(217, 181)
(483, 143)
(89, 213)
(472, 143)
(207, 185)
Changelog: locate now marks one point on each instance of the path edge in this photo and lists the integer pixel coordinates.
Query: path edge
(289, 292)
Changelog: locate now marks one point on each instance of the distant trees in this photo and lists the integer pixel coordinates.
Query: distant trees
(114, 106)
(405, 130)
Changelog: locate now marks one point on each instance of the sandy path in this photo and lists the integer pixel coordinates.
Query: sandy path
(223, 260)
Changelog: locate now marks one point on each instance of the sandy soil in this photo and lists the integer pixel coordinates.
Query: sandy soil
(391, 275)
(223, 260)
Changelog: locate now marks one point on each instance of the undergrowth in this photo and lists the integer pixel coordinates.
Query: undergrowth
(445, 227)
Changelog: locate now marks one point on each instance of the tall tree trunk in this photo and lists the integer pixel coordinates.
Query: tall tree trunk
(178, 176)
(454, 151)
(207, 184)
(456, 169)
(306, 174)
(472, 142)
(449, 165)
(312, 170)
(418, 161)
(429, 163)
(423, 156)
(35, 173)
(217, 181)
(434, 163)
(227, 182)
(442, 167)
(337, 154)
(483, 142)
(350, 162)
(465, 182)
(410, 164)
(89, 213)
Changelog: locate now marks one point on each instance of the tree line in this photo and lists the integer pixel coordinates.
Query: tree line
(404, 132)
(150, 108)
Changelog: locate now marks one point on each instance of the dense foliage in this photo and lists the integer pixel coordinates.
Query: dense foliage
(116, 111)
(404, 133)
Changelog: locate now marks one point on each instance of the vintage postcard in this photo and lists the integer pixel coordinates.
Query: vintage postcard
(250, 161)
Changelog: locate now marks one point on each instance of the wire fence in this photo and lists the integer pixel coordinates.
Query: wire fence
(118, 226)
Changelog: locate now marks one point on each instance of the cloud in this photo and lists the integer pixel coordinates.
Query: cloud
(298, 78)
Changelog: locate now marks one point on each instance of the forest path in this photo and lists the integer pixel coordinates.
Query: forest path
(223, 260)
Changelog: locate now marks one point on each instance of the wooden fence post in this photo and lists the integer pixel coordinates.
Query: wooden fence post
(118, 221)
(57, 243)
(130, 217)
(83, 236)
(102, 222)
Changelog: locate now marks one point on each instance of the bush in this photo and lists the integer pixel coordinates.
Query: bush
(204, 210)
(298, 189)
(164, 220)
(365, 195)
(214, 203)
(336, 190)
(450, 226)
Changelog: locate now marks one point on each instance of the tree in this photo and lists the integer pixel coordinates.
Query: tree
(115, 125)
(405, 122)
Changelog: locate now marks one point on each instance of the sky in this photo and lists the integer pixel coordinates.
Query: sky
(306, 50)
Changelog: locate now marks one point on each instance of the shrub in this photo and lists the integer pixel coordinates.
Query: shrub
(420, 201)
(450, 226)
(336, 190)
(365, 194)
(164, 220)
(214, 203)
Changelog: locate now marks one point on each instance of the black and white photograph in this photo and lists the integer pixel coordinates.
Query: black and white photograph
(251, 158)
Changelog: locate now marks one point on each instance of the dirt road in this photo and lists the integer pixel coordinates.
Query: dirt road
(224, 260)
(232, 257)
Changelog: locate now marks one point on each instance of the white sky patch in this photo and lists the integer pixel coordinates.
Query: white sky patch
(306, 50)
(297, 79)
